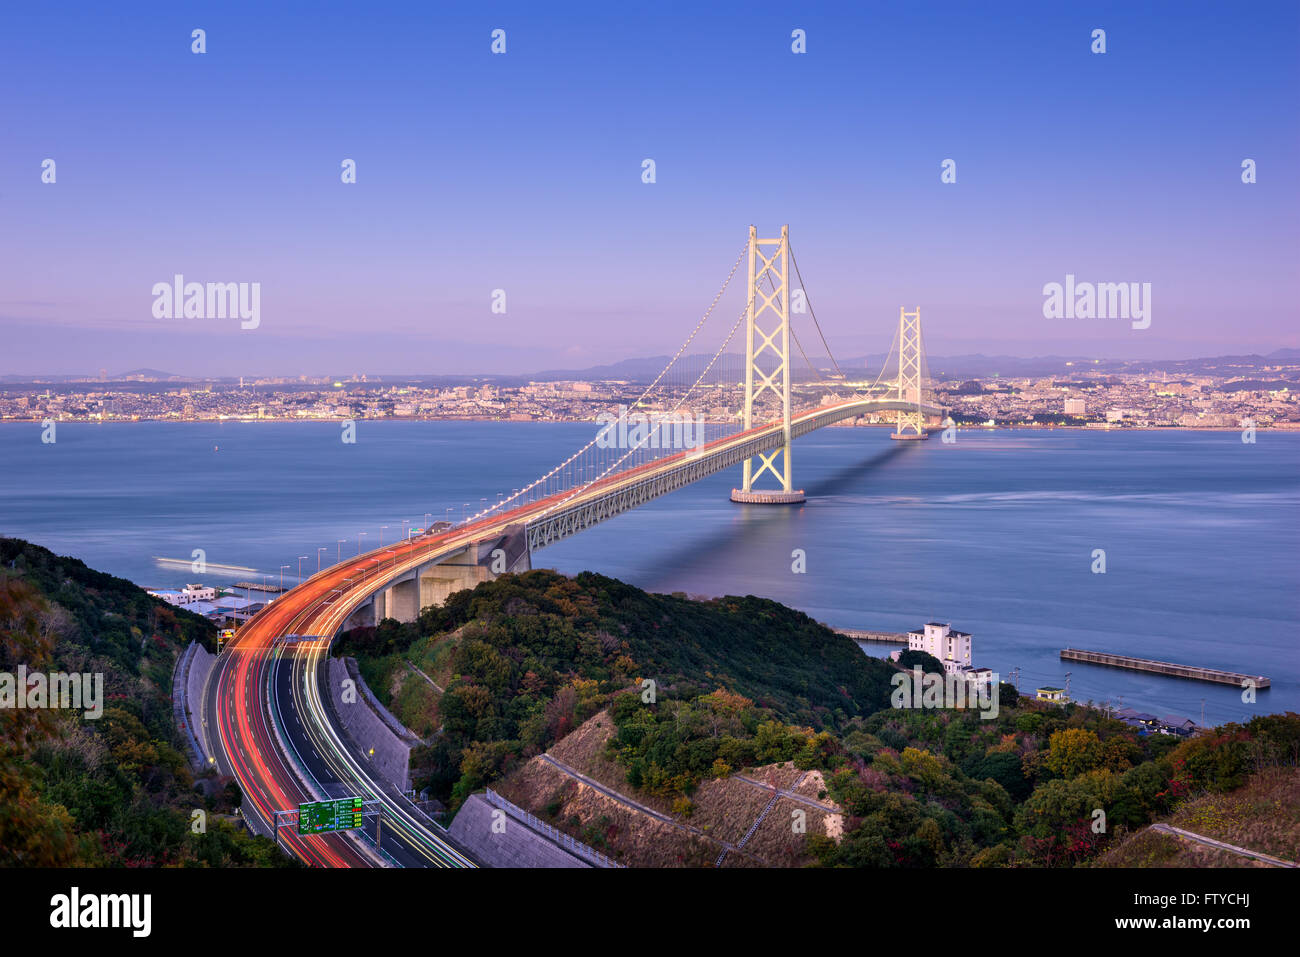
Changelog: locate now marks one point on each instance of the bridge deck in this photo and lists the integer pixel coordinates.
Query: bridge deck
(604, 499)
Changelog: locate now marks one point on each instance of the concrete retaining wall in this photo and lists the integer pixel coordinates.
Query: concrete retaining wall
(514, 845)
(192, 670)
(370, 725)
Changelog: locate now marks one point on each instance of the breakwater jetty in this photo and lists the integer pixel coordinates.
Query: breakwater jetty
(1170, 668)
(254, 586)
(891, 637)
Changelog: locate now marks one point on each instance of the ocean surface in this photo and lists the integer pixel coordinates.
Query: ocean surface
(994, 533)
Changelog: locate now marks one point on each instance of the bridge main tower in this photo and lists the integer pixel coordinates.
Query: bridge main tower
(910, 423)
(767, 367)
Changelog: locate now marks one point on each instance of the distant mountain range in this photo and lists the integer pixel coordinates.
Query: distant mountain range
(644, 369)
(976, 365)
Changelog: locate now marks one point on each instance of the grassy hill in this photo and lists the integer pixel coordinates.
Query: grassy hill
(1262, 815)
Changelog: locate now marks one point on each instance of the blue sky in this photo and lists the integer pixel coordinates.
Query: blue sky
(523, 172)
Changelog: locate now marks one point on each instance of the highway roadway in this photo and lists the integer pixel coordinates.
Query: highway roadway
(272, 733)
(334, 770)
(265, 721)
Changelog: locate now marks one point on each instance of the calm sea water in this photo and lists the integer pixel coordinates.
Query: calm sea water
(994, 533)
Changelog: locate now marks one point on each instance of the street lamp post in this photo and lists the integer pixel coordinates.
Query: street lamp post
(300, 558)
(318, 551)
(341, 541)
(381, 535)
(282, 568)
(359, 534)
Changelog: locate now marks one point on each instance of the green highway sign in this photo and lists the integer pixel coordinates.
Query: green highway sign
(317, 817)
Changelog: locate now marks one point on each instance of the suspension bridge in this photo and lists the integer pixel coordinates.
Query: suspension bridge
(743, 403)
(704, 412)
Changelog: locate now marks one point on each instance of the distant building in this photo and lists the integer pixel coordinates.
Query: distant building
(187, 595)
(1178, 725)
(1145, 723)
(231, 608)
(1075, 406)
(952, 648)
(1051, 694)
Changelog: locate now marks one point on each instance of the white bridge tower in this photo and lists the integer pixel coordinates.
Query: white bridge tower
(911, 423)
(767, 367)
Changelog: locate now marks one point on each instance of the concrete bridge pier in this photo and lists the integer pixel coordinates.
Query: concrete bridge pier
(431, 584)
(764, 496)
(363, 616)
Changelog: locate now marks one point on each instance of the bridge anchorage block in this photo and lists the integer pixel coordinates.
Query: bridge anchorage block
(767, 496)
(910, 436)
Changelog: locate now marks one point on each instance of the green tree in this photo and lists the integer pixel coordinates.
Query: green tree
(1073, 751)
(914, 657)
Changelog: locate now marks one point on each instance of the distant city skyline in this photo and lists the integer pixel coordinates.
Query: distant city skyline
(523, 172)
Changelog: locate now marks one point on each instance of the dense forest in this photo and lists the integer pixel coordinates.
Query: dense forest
(743, 682)
(116, 790)
(531, 656)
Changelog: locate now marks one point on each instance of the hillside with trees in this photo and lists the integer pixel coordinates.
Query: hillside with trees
(116, 790)
(526, 658)
(515, 664)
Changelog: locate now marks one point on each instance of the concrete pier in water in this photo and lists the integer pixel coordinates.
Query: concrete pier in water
(1163, 668)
